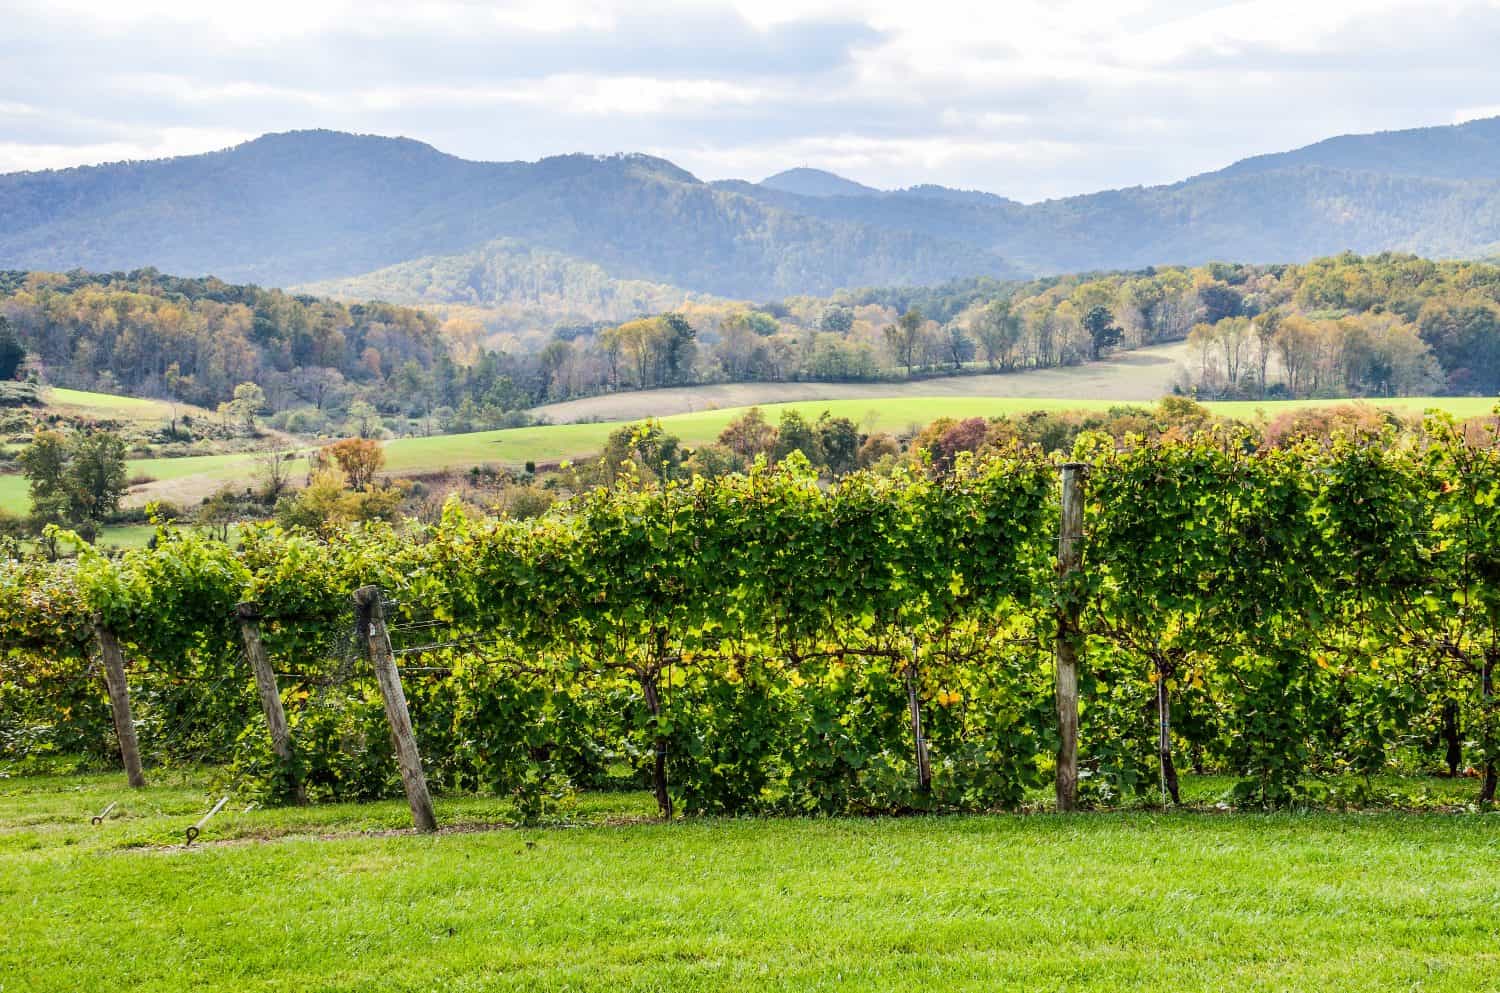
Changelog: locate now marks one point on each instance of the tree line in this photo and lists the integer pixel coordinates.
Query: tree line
(1346, 325)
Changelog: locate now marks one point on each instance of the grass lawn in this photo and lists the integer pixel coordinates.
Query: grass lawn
(1114, 901)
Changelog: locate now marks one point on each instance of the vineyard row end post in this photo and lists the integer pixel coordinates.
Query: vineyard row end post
(119, 702)
(371, 617)
(270, 693)
(1069, 642)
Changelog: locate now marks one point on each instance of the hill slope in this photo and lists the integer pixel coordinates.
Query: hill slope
(507, 276)
(1433, 191)
(308, 206)
(305, 206)
(816, 183)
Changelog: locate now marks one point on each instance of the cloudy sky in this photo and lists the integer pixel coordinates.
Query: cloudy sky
(1030, 100)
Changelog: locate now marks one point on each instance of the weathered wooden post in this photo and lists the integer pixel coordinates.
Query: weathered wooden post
(371, 615)
(270, 693)
(914, 706)
(119, 702)
(1068, 646)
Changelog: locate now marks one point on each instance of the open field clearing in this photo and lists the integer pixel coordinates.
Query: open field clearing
(79, 403)
(186, 481)
(1144, 374)
(334, 898)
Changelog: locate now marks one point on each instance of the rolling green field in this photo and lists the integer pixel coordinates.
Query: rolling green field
(338, 898)
(187, 480)
(110, 405)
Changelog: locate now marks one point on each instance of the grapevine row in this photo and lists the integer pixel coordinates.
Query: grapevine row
(767, 642)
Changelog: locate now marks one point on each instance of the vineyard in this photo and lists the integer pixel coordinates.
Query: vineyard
(764, 643)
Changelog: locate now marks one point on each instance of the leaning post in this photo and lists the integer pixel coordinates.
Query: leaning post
(270, 692)
(371, 617)
(119, 701)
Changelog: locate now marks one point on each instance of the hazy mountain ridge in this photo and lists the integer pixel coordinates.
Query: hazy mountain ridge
(307, 206)
(1433, 191)
(816, 183)
(321, 206)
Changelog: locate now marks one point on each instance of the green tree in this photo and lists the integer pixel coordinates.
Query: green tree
(795, 434)
(839, 440)
(44, 463)
(76, 481)
(647, 446)
(364, 419)
(96, 474)
(1104, 334)
(12, 352)
(680, 347)
(838, 320)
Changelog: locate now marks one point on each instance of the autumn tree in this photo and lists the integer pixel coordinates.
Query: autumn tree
(904, 338)
(249, 400)
(749, 435)
(998, 331)
(359, 458)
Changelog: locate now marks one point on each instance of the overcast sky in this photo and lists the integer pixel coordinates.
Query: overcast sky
(1029, 100)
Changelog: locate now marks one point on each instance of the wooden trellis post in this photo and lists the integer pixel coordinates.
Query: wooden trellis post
(914, 708)
(119, 702)
(1069, 643)
(371, 616)
(270, 693)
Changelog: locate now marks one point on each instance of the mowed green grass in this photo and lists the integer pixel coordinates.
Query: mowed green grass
(187, 480)
(314, 899)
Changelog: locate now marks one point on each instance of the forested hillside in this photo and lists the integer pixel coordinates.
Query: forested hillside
(517, 287)
(1434, 191)
(306, 207)
(319, 364)
(302, 206)
(1290, 212)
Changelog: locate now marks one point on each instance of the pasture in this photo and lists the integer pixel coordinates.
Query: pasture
(80, 403)
(1140, 375)
(336, 898)
(186, 481)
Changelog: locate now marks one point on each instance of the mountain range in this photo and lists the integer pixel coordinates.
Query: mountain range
(398, 219)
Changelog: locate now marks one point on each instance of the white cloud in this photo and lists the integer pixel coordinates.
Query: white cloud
(1030, 98)
(579, 95)
(25, 157)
